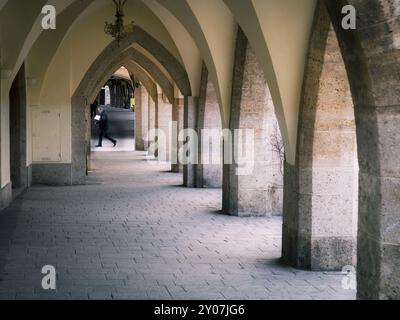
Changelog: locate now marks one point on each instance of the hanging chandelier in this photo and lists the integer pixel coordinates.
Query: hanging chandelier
(117, 29)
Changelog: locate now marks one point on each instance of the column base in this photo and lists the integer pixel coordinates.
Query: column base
(175, 168)
(140, 146)
(53, 174)
(189, 176)
(5, 196)
(318, 254)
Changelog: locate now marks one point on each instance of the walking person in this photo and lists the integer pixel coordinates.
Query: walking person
(103, 126)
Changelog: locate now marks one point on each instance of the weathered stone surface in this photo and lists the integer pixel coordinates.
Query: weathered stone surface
(209, 170)
(332, 253)
(141, 118)
(260, 191)
(372, 61)
(52, 174)
(5, 196)
(294, 246)
(164, 124)
(18, 131)
(178, 118)
(327, 162)
(190, 122)
(152, 120)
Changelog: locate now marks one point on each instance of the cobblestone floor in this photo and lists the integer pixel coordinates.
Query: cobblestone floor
(134, 233)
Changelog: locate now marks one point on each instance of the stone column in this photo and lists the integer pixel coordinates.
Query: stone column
(248, 193)
(164, 119)
(181, 126)
(141, 117)
(113, 95)
(177, 116)
(371, 55)
(18, 157)
(5, 184)
(320, 234)
(118, 97)
(378, 258)
(190, 122)
(209, 128)
(151, 117)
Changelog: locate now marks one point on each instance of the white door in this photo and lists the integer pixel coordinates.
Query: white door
(46, 135)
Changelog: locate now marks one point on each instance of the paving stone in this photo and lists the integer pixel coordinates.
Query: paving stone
(140, 235)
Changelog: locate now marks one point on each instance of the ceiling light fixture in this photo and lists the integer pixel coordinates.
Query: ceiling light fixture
(117, 29)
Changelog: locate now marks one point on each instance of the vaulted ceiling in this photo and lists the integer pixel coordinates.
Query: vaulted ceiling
(192, 31)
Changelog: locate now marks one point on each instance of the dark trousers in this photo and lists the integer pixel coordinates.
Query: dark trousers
(104, 134)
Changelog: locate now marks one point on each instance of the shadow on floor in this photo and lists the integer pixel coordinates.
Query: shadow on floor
(8, 223)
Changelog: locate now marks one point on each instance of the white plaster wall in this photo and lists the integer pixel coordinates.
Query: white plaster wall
(5, 133)
(57, 96)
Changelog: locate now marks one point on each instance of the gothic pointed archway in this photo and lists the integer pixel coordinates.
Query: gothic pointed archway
(100, 70)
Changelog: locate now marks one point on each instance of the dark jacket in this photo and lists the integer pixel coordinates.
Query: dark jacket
(103, 122)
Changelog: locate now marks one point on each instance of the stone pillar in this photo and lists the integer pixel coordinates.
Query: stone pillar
(113, 95)
(371, 54)
(5, 184)
(164, 119)
(378, 258)
(18, 156)
(120, 94)
(177, 116)
(320, 234)
(151, 117)
(249, 194)
(80, 107)
(118, 99)
(141, 117)
(181, 126)
(190, 122)
(209, 127)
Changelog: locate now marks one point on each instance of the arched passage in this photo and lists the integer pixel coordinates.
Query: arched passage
(143, 77)
(278, 48)
(158, 76)
(174, 68)
(95, 77)
(121, 90)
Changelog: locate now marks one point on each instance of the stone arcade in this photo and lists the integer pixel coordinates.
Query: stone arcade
(324, 192)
